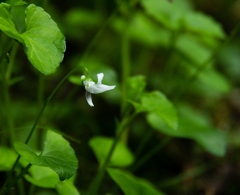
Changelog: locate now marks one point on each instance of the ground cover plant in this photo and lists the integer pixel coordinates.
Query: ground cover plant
(119, 97)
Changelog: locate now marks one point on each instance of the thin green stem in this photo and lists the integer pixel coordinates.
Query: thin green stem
(6, 50)
(94, 186)
(40, 89)
(49, 98)
(8, 187)
(5, 90)
(125, 54)
(87, 51)
(12, 61)
(40, 100)
(20, 186)
(8, 109)
(6, 95)
(40, 115)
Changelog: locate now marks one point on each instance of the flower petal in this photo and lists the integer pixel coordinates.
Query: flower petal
(89, 98)
(100, 78)
(99, 88)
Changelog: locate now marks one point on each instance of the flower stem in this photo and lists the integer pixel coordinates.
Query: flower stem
(5, 51)
(12, 61)
(5, 90)
(125, 54)
(7, 104)
(94, 186)
(8, 187)
(37, 120)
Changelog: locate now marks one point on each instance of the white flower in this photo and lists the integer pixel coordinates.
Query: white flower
(93, 88)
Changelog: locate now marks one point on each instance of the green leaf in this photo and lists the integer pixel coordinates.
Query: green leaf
(135, 87)
(210, 83)
(47, 178)
(168, 14)
(179, 14)
(16, 2)
(57, 154)
(202, 24)
(186, 44)
(43, 42)
(27, 153)
(193, 126)
(66, 188)
(42, 177)
(229, 60)
(6, 23)
(7, 158)
(121, 156)
(132, 185)
(143, 30)
(156, 102)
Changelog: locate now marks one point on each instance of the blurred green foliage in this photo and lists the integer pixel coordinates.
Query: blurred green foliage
(176, 68)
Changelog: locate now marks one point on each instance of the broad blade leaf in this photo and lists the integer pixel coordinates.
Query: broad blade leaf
(168, 14)
(122, 156)
(203, 25)
(43, 42)
(132, 185)
(42, 177)
(193, 126)
(57, 154)
(156, 102)
(186, 44)
(66, 188)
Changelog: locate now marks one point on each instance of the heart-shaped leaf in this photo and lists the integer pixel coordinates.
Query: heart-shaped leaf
(42, 40)
(121, 156)
(57, 154)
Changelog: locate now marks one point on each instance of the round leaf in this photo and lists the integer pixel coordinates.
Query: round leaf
(120, 157)
(42, 40)
(57, 154)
